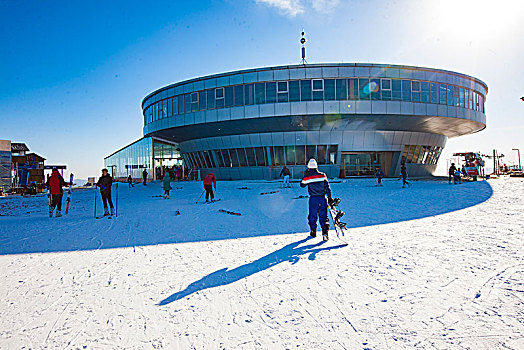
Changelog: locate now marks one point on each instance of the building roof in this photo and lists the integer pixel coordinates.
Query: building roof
(35, 157)
(18, 147)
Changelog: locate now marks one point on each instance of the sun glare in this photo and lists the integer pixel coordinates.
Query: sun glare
(475, 18)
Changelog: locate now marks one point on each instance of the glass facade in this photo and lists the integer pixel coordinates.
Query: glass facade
(262, 156)
(315, 90)
(418, 154)
(147, 153)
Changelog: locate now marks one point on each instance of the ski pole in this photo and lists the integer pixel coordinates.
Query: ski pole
(95, 203)
(200, 196)
(116, 211)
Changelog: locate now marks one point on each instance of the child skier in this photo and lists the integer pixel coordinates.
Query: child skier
(210, 181)
(105, 182)
(285, 171)
(379, 175)
(166, 184)
(318, 188)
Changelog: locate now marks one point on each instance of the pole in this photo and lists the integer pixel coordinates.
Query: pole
(495, 163)
(116, 209)
(518, 150)
(95, 203)
(200, 196)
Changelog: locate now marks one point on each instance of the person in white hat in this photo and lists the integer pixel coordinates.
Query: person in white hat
(318, 188)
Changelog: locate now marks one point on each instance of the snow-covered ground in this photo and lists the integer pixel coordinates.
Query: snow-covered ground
(432, 266)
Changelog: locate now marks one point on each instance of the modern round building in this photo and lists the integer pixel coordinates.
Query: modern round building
(353, 117)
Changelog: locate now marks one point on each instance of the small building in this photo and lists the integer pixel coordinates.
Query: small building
(5, 166)
(18, 167)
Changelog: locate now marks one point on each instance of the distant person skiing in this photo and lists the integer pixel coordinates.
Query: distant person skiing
(144, 176)
(379, 174)
(55, 184)
(451, 172)
(286, 173)
(318, 188)
(105, 182)
(130, 181)
(166, 184)
(210, 181)
(404, 174)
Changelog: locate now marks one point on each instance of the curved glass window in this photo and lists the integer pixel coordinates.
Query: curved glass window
(314, 90)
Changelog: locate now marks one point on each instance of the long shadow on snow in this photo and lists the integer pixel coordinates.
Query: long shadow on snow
(289, 253)
(364, 206)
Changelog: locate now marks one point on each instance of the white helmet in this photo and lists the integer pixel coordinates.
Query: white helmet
(312, 164)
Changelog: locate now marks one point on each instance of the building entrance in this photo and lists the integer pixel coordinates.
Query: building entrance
(364, 163)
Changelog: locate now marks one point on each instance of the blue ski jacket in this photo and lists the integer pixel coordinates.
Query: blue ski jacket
(316, 182)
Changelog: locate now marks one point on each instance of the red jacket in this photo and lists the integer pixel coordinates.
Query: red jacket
(56, 182)
(210, 179)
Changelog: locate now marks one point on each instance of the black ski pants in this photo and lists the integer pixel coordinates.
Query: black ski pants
(56, 201)
(106, 198)
(404, 180)
(209, 191)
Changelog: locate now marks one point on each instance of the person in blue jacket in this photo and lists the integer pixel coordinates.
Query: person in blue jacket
(318, 188)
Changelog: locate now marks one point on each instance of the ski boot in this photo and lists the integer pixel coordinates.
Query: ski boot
(325, 230)
(112, 211)
(106, 212)
(50, 213)
(313, 233)
(58, 214)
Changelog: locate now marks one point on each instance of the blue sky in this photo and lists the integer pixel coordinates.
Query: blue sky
(73, 74)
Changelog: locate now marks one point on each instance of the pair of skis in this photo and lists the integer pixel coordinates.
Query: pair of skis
(116, 206)
(336, 215)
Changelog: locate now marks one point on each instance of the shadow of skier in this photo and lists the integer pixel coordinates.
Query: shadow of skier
(290, 252)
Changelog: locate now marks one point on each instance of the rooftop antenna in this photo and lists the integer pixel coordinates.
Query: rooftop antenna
(303, 42)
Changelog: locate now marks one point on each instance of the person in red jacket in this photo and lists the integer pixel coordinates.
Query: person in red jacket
(210, 181)
(54, 185)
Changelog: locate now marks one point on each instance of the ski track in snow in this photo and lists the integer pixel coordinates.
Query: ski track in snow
(433, 266)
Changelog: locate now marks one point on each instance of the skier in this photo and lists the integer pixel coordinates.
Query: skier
(404, 174)
(457, 177)
(166, 184)
(55, 184)
(130, 181)
(144, 176)
(379, 174)
(105, 182)
(210, 181)
(451, 172)
(286, 173)
(318, 188)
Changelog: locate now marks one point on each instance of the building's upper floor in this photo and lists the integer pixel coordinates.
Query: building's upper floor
(316, 83)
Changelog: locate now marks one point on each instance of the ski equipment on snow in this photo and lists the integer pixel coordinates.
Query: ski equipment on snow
(69, 192)
(271, 192)
(229, 212)
(301, 196)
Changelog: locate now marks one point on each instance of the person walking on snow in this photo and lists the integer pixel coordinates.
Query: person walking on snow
(166, 184)
(144, 176)
(318, 188)
(451, 172)
(55, 184)
(286, 173)
(105, 182)
(130, 181)
(404, 174)
(379, 175)
(210, 181)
